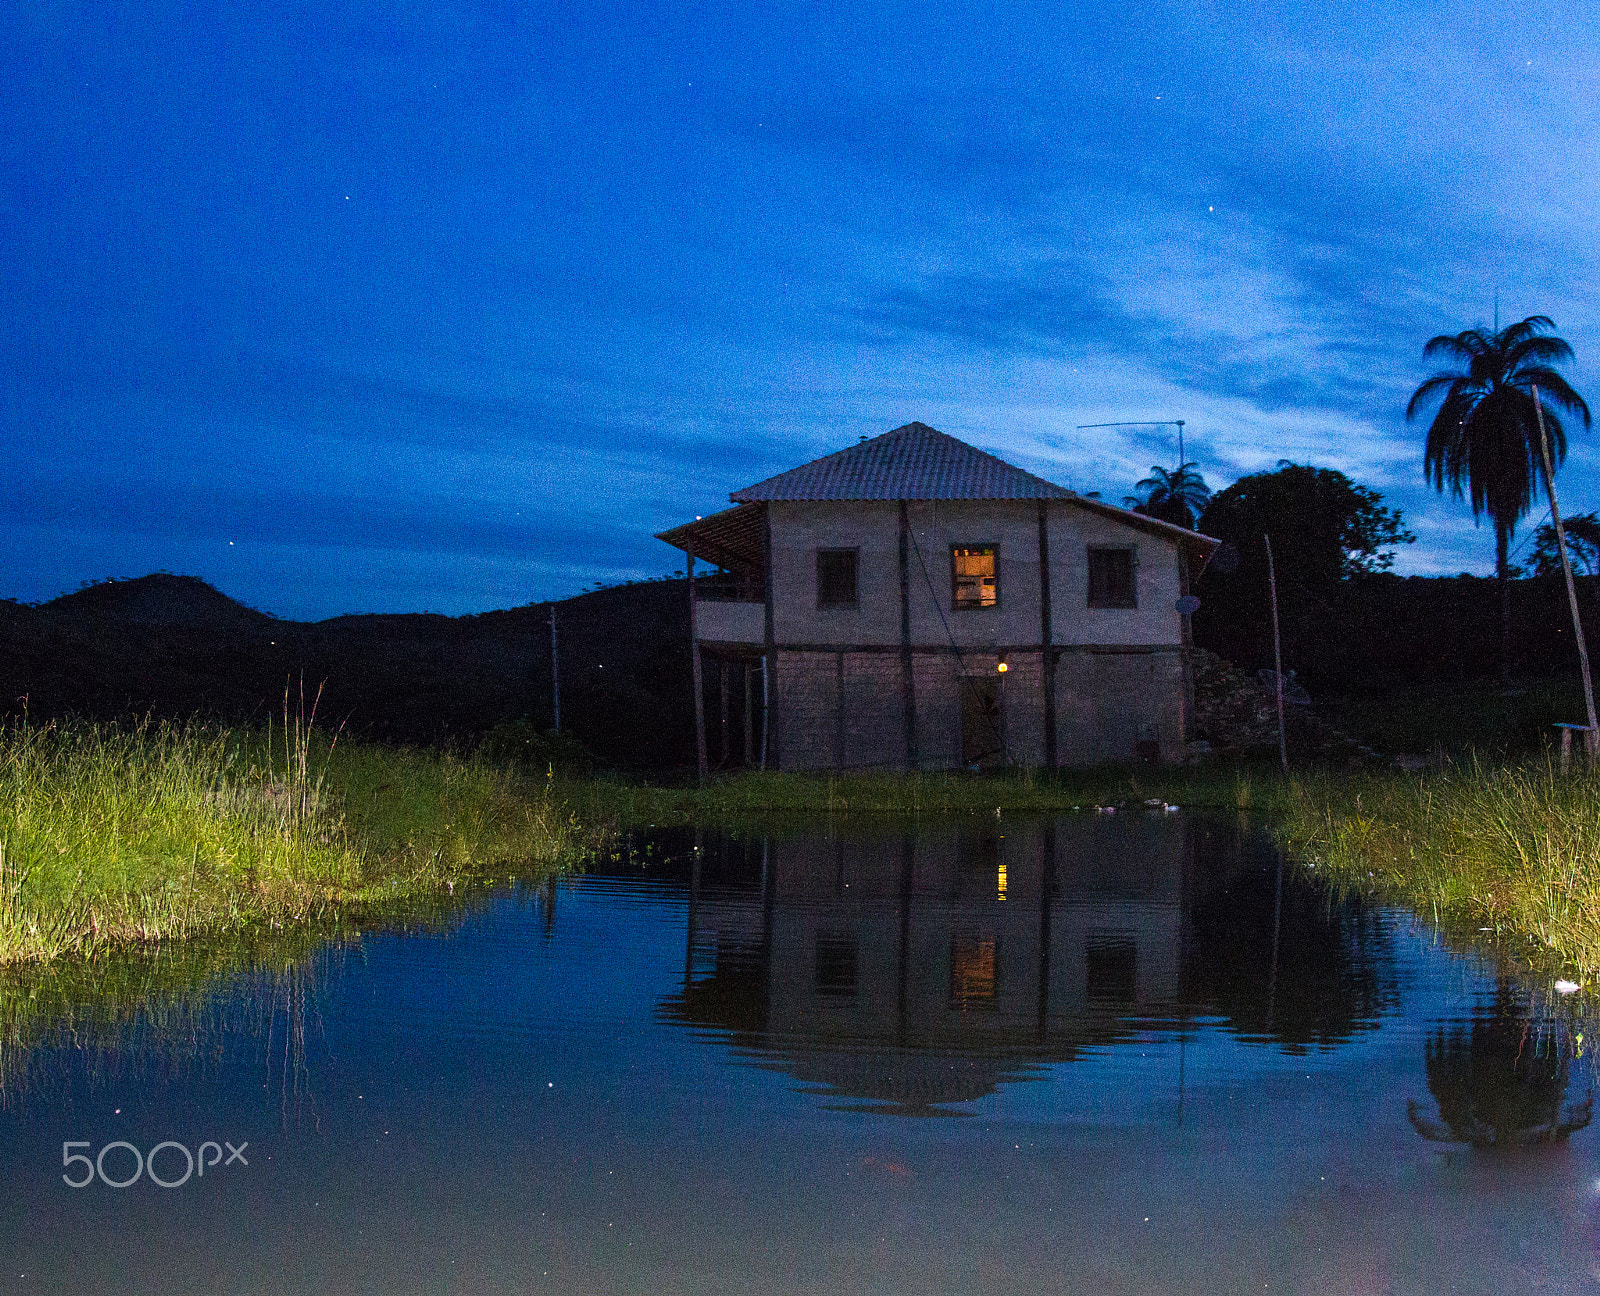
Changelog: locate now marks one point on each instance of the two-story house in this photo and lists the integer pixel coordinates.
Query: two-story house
(917, 603)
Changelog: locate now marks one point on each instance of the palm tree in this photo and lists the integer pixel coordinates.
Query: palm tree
(1178, 497)
(1484, 438)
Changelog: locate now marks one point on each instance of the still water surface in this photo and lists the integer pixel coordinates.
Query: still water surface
(1094, 1054)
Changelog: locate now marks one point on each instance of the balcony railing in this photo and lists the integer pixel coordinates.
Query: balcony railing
(730, 587)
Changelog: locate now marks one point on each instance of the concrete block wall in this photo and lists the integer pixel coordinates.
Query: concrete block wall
(1106, 702)
(873, 734)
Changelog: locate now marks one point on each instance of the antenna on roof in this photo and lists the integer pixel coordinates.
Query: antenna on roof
(1148, 423)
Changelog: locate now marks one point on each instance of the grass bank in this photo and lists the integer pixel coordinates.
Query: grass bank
(1508, 855)
(1504, 855)
(739, 796)
(113, 836)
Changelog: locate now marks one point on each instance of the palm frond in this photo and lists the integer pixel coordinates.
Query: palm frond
(1551, 350)
(1457, 346)
(1554, 389)
(1427, 391)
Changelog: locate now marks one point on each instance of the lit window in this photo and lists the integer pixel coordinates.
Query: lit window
(973, 574)
(1111, 583)
(836, 578)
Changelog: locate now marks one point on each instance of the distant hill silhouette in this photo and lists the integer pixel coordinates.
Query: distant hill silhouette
(173, 647)
(160, 599)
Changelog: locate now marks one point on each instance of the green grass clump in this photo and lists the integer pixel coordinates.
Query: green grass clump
(111, 836)
(1513, 852)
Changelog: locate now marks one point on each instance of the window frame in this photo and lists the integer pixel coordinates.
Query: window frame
(855, 572)
(1133, 577)
(955, 603)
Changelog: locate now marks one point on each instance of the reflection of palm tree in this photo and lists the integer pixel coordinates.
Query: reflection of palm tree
(1178, 497)
(1499, 1082)
(1483, 440)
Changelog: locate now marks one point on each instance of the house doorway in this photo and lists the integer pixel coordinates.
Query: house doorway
(982, 739)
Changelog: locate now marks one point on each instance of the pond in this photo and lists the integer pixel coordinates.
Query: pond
(1098, 1053)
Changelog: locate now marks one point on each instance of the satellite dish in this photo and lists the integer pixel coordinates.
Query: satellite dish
(1293, 693)
(1225, 561)
(1188, 605)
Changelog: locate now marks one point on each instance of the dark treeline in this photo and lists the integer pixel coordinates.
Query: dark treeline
(172, 647)
(1373, 634)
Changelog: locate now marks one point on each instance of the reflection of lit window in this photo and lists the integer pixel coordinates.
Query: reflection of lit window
(1001, 878)
(972, 971)
(836, 964)
(974, 579)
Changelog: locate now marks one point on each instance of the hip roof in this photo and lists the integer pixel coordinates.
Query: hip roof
(914, 462)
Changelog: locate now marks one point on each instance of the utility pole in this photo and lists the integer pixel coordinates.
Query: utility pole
(1591, 736)
(1277, 656)
(555, 674)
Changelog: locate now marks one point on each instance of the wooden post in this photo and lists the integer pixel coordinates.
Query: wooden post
(722, 688)
(1593, 732)
(1047, 641)
(907, 678)
(699, 679)
(555, 674)
(1186, 652)
(749, 746)
(838, 711)
(766, 714)
(771, 716)
(1277, 659)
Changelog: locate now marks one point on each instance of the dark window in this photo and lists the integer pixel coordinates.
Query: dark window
(974, 576)
(836, 578)
(1111, 579)
(1113, 967)
(836, 964)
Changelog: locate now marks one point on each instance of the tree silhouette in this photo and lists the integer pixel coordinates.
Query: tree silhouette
(1500, 1080)
(1483, 442)
(1177, 497)
(1583, 546)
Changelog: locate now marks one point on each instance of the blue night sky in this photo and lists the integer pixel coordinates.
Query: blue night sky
(404, 306)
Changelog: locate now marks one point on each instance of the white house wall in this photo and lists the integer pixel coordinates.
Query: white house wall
(800, 529)
(838, 678)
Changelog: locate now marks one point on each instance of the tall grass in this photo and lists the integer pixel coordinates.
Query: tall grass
(114, 835)
(1510, 853)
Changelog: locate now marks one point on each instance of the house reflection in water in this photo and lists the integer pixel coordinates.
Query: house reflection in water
(915, 970)
(907, 970)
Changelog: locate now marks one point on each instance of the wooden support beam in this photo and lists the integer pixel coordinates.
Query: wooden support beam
(722, 688)
(699, 679)
(907, 676)
(1047, 639)
(838, 711)
(749, 702)
(771, 712)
